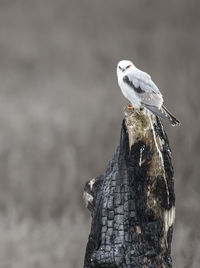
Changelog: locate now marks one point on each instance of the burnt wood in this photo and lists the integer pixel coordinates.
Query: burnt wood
(133, 203)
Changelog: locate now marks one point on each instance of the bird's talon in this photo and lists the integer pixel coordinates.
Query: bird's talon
(130, 107)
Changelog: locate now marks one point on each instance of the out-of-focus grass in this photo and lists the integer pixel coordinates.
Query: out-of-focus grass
(48, 243)
(186, 246)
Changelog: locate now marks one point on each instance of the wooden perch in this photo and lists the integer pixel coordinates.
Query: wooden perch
(133, 202)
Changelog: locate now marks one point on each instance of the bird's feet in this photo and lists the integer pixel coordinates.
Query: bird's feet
(130, 107)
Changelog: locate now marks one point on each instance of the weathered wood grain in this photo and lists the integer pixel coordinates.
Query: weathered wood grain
(133, 203)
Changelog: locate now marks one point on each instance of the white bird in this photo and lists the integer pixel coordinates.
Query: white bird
(141, 91)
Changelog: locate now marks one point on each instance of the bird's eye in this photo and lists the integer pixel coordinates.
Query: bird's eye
(120, 68)
(128, 66)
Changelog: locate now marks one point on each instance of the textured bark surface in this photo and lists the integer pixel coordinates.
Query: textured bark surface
(133, 203)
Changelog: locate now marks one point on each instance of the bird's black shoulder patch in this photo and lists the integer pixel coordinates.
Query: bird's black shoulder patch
(128, 82)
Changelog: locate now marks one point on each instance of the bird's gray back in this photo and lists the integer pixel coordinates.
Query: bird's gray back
(142, 80)
(143, 88)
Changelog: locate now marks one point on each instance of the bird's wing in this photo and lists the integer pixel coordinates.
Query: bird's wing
(144, 87)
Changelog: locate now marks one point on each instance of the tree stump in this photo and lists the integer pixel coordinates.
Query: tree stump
(133, 203)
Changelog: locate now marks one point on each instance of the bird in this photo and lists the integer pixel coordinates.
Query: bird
(138, 87)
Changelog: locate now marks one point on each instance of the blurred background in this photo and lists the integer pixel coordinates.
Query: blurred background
(61, 112)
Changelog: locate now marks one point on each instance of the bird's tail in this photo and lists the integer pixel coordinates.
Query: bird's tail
(162, 112)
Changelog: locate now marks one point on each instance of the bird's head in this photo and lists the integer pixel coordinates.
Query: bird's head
(124, 66)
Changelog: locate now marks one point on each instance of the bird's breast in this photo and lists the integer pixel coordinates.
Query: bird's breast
(129, 94)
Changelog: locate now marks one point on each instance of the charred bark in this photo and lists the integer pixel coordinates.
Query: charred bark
(133, 203)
